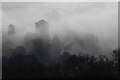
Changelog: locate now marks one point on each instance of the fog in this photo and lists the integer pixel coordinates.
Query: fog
(0, 39)
(65, 18)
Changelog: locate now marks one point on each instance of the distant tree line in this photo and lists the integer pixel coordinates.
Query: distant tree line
(27, 66)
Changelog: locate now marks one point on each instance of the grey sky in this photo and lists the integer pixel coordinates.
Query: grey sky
(99, 19)
(0, 29)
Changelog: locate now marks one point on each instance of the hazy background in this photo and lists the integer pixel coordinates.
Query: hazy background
(99, 19)
(0, 39)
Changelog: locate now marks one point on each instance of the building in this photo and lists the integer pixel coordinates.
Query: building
(42, 29)
(11, 29)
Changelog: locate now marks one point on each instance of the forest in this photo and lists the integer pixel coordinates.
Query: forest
(65, 65)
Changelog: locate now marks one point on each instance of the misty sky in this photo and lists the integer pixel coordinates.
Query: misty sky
(0, 29)
(100, 18)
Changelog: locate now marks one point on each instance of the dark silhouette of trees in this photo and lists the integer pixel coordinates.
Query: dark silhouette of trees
(19, 51)
(116, 56)
(23, 66)
(41, 50)
(38, 64)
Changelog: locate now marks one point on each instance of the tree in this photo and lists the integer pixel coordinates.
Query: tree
(41, 50)
(23, 66)
(116, 55)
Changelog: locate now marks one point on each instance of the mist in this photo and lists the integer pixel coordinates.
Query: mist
(59, 40)
(66, 20)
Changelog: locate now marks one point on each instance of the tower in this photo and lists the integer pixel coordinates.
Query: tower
(9, 41)
(11, 29)
(42, 29)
